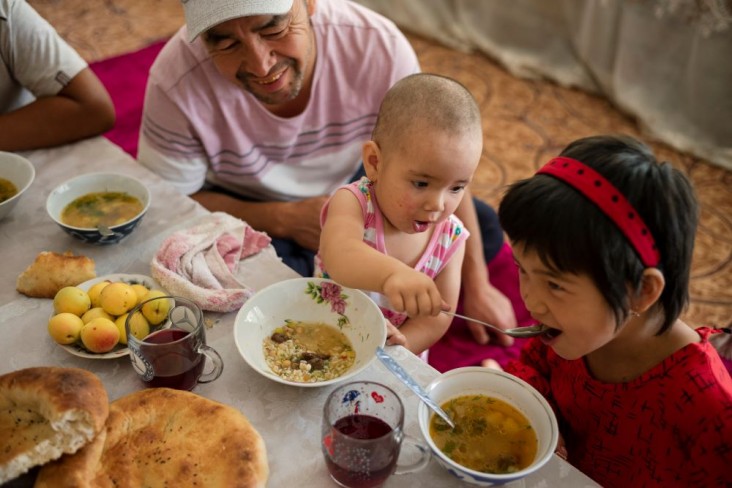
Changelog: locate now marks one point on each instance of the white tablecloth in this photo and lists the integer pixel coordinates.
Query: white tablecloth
(288, 418)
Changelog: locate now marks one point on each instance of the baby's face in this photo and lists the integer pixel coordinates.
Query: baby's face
(422, 180)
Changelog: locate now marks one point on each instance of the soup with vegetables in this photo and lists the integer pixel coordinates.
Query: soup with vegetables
(308, 352)
(490, 435)
(108, 208)
(7, 189)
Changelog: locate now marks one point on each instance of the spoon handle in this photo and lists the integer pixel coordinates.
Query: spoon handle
(469, 319)
(402, 374)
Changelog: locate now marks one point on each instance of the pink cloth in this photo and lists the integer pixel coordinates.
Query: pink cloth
(457, 348)
(199, 263)
(125, 78)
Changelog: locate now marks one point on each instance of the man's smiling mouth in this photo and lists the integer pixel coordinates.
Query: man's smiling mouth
(271, 79)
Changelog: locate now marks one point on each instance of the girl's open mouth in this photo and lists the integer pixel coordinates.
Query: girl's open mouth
(550, 335)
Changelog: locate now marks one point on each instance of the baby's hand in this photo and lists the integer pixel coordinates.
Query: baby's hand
(413, 293)
(393, 336)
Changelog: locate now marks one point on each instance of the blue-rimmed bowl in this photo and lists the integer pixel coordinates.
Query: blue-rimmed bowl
(20, 172)
(503, 386)
(81, 185)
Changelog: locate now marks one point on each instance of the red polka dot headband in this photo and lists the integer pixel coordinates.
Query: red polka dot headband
(610, 200)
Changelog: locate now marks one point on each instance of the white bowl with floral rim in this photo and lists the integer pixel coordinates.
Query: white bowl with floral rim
(309, 300)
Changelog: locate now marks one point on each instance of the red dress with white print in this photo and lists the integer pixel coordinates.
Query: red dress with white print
(670, 427)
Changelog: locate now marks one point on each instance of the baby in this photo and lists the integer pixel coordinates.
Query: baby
(394, 232)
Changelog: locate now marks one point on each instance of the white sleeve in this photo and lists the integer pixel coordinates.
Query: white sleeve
(43, 62)
(187, 175)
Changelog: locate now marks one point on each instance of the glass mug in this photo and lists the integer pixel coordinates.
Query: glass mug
(362, 433)
(174, 354)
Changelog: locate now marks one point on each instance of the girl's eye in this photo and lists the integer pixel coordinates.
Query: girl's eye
(553, 286)
(457, 189)
(419, 184)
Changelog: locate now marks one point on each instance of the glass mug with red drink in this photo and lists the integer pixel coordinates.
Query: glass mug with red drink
(173, 352)
(362, 434)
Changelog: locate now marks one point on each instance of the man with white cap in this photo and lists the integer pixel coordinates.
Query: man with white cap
(259, 108)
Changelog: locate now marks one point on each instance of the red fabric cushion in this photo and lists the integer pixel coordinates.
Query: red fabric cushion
(125, 78)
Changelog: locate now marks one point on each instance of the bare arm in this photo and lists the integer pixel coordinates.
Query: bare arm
(299, 221)
(423, 331)
(481, 300)
(81, 109)
(353, 263)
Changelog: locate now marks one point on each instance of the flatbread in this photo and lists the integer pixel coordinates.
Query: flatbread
(52, 271)
(163, 437)
(46, 412)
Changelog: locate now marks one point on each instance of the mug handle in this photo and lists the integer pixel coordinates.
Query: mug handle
(424, 456)
(218, 363)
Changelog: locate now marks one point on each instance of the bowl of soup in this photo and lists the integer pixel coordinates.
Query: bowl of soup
(309, 332)
(504, 428)
(99, 208)
(16, 175)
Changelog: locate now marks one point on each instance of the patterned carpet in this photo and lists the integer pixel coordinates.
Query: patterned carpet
(525, 123)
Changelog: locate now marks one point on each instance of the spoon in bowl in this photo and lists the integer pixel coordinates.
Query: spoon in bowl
(105, 231)
(528, 331)
(405, 378)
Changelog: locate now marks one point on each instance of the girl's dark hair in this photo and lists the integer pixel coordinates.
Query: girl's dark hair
(570, 234)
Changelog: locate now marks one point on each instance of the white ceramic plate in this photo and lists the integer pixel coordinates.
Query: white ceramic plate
(120, 350)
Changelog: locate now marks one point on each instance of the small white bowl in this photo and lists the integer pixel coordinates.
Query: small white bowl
(20, 172)
(301, 299)
(81, 185)
(503, 386)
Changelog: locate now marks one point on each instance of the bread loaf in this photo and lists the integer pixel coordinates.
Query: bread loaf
(47, 412)
(161, 437)
(52, 271)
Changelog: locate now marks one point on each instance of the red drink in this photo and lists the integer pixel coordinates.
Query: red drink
(355, 462)
(176, 365)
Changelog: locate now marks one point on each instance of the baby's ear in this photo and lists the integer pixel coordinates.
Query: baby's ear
(652, 285)
(371, 155)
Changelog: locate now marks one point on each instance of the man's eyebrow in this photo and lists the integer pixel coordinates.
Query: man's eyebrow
(212, 35)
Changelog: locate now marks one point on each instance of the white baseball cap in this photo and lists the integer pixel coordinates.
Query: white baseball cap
(201, 15)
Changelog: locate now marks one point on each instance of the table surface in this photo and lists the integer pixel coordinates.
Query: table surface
(288, 418)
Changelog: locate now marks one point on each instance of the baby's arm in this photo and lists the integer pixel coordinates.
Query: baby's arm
(353, 263)
(422, 332)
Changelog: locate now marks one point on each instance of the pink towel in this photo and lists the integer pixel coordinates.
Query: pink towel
(199, 263)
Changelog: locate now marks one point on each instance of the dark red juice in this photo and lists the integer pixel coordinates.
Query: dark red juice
(177, 365)
(349, 465)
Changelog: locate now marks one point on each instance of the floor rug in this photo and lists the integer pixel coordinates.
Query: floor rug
(125, 78)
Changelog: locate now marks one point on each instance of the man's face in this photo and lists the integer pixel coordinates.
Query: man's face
(270, 56)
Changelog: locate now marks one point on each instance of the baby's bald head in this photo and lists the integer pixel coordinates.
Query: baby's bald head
(422, 102)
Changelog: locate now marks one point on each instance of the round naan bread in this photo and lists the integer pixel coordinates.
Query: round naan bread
(160, 437)
(46, 412)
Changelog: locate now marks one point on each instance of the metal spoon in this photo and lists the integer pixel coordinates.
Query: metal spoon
(405, 378)
(529, 331)
(105, 231)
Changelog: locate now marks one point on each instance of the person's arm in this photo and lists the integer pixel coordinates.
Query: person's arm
(423, 331)
(481, 300)
(299, 221)
(353, 263)
(81, 109)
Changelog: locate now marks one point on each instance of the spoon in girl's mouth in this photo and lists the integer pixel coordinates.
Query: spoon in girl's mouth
(528, 331)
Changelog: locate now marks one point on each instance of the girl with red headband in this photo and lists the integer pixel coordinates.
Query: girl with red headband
(603, 236)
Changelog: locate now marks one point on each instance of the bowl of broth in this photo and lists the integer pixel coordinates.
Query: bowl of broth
(99, 208)
(309, 332)
(504, 428)
(16, 175)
